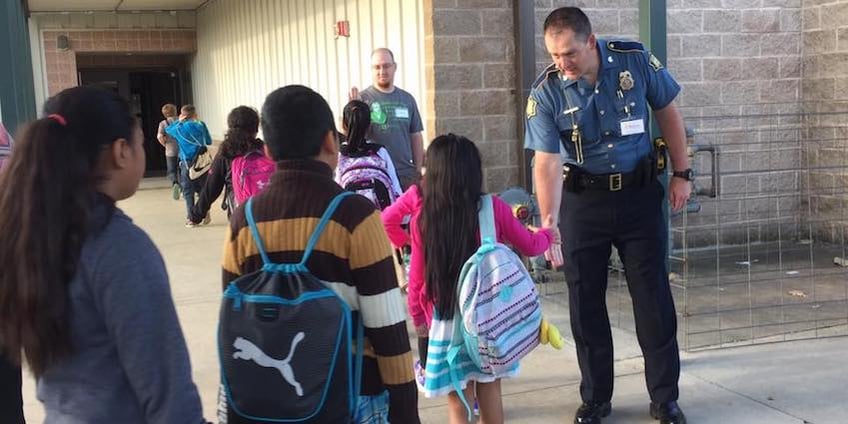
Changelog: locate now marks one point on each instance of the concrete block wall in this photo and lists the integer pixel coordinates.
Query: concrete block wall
(469, 60)
(738, 63)
(732, 58)
(825, 95)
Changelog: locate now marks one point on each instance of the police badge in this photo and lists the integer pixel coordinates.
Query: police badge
(625, 80)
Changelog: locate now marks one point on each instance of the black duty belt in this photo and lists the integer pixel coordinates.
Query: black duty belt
(576, 179)
(609, 182)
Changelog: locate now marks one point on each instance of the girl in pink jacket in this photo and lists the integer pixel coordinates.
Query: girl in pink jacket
(444, 234)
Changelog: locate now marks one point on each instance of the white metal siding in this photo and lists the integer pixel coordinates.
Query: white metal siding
(245, 50)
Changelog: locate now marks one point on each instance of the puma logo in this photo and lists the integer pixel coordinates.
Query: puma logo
(248, 351)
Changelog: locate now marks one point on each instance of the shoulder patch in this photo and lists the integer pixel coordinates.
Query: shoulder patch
(531, 107)
(550, 69)
(655, 63)
(625, 46)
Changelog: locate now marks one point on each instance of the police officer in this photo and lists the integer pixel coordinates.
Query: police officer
(589, 111)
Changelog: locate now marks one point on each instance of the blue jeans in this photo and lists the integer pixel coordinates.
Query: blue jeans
(173, 166)
(373, 409)
(190, 187)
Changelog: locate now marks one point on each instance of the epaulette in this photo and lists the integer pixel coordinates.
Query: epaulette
(545, 74)
(625, 46)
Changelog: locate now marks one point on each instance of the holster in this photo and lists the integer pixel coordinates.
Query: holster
(570, 178)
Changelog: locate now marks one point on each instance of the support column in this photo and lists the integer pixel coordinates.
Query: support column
(653, 32)
(16, 90)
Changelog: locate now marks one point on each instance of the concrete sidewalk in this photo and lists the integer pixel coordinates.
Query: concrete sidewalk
(792, 382)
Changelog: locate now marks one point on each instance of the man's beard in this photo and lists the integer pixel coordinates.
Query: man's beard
(384, 85)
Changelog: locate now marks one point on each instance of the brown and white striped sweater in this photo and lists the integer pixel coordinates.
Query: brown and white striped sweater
(353, 254)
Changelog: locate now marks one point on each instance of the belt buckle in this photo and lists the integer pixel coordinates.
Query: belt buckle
(615, 182)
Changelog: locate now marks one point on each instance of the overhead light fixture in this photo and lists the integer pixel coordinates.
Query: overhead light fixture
(63, 43)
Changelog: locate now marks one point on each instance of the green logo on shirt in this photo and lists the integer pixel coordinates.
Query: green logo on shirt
(378, 115)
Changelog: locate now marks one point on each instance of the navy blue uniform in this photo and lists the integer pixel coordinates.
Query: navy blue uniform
(600, 131)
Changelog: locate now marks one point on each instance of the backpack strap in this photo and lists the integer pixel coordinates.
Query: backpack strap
(457, 345)
(251, 222)
(325, 219)
(313, 239)
(357, 373)
(486, 217)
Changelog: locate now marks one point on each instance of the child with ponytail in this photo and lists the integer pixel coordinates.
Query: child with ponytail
(84, 296)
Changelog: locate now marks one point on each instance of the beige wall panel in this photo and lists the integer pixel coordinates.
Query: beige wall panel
(247, 49)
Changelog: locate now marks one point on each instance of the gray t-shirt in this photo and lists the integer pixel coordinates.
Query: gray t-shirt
(130, 364)
(394, 118)
(171, 147)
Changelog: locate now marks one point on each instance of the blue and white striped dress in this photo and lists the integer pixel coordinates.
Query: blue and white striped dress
(437, 374)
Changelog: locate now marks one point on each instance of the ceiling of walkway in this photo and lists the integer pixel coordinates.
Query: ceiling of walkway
(111, 5)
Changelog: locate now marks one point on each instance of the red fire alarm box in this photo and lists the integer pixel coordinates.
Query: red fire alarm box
(342, 29)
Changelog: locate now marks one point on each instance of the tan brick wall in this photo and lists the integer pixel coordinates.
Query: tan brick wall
(739, 63)
(102, 32)
(732, 58)
(470, 67)
(61, 66)
(825, 95)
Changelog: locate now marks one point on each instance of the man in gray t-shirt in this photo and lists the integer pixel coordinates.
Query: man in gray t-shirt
(395, 120)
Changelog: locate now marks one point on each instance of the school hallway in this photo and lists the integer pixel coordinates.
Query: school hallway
(792, 382)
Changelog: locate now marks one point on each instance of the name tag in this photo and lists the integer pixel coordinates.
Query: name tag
(402, 112)
(636, 126)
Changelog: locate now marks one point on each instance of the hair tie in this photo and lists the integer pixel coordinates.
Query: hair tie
(58, 118)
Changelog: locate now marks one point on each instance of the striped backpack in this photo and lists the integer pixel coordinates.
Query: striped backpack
(498, 303)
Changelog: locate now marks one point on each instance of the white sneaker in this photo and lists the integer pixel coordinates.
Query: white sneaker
(190, 224)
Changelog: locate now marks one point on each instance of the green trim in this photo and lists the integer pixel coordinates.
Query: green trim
(17, 94)
(653, 33)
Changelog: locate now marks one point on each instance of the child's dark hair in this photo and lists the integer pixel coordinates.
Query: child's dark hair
(356, 118)
(242, 126)
(295, 120)
(451, 191)
(47, 197)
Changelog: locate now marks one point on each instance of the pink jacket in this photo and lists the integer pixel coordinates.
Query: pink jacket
(509, 230)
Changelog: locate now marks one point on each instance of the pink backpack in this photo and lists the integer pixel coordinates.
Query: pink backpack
(367, 175)
(250, 174)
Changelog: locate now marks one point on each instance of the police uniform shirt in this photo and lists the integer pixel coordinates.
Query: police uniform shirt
(613, 115)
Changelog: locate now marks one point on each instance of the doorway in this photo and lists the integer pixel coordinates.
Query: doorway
(146, 89)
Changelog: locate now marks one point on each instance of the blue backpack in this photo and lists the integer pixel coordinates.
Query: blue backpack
(285, 342)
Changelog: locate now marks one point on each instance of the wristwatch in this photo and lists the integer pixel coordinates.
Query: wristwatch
(687, 174)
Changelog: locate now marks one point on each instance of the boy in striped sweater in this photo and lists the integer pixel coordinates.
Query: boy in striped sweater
(353, 253)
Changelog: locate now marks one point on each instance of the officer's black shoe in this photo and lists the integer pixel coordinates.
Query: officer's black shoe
(592, 412)
(667, 413)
